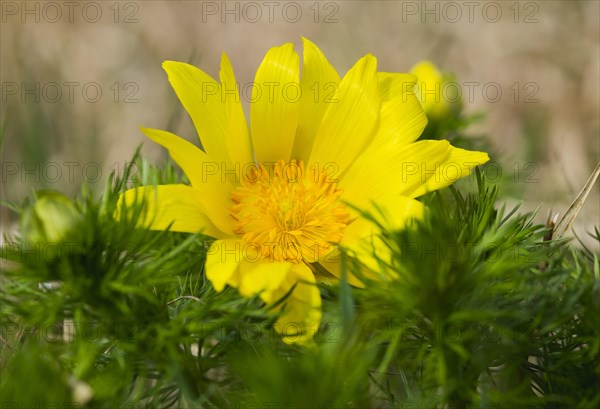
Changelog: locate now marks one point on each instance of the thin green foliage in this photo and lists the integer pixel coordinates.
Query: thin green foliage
(477, 309)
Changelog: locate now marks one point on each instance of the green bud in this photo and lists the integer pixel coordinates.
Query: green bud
(49, 219)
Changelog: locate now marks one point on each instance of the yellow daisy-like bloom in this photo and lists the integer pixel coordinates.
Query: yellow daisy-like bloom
(280, 195)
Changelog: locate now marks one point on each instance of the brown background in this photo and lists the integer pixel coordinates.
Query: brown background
(550, 48)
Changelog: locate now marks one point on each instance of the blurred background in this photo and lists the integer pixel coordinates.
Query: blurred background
(79, 79)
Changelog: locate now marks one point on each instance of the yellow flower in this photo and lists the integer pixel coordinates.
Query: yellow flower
(280, 195)
(430, 89)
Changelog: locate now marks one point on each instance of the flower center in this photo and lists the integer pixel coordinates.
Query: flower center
(288, 213)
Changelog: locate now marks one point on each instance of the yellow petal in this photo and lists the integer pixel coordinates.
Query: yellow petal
(361, 240)
(203, 173)
(393, 212)
(262, 278)
(319, 83)
(275, 108)
(393, 84)
(348, 125)
(402, 117)
(171, 202)
(210, 179)
(379, 172)
(237, 136)
(458, 164)
(396, 211)
(200, 95)
(177, 206)
(371, 252)
(222, 261)
(301, 313)
(333, 265)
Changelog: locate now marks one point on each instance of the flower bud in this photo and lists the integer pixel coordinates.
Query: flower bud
(49, 219)
(430, 89)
